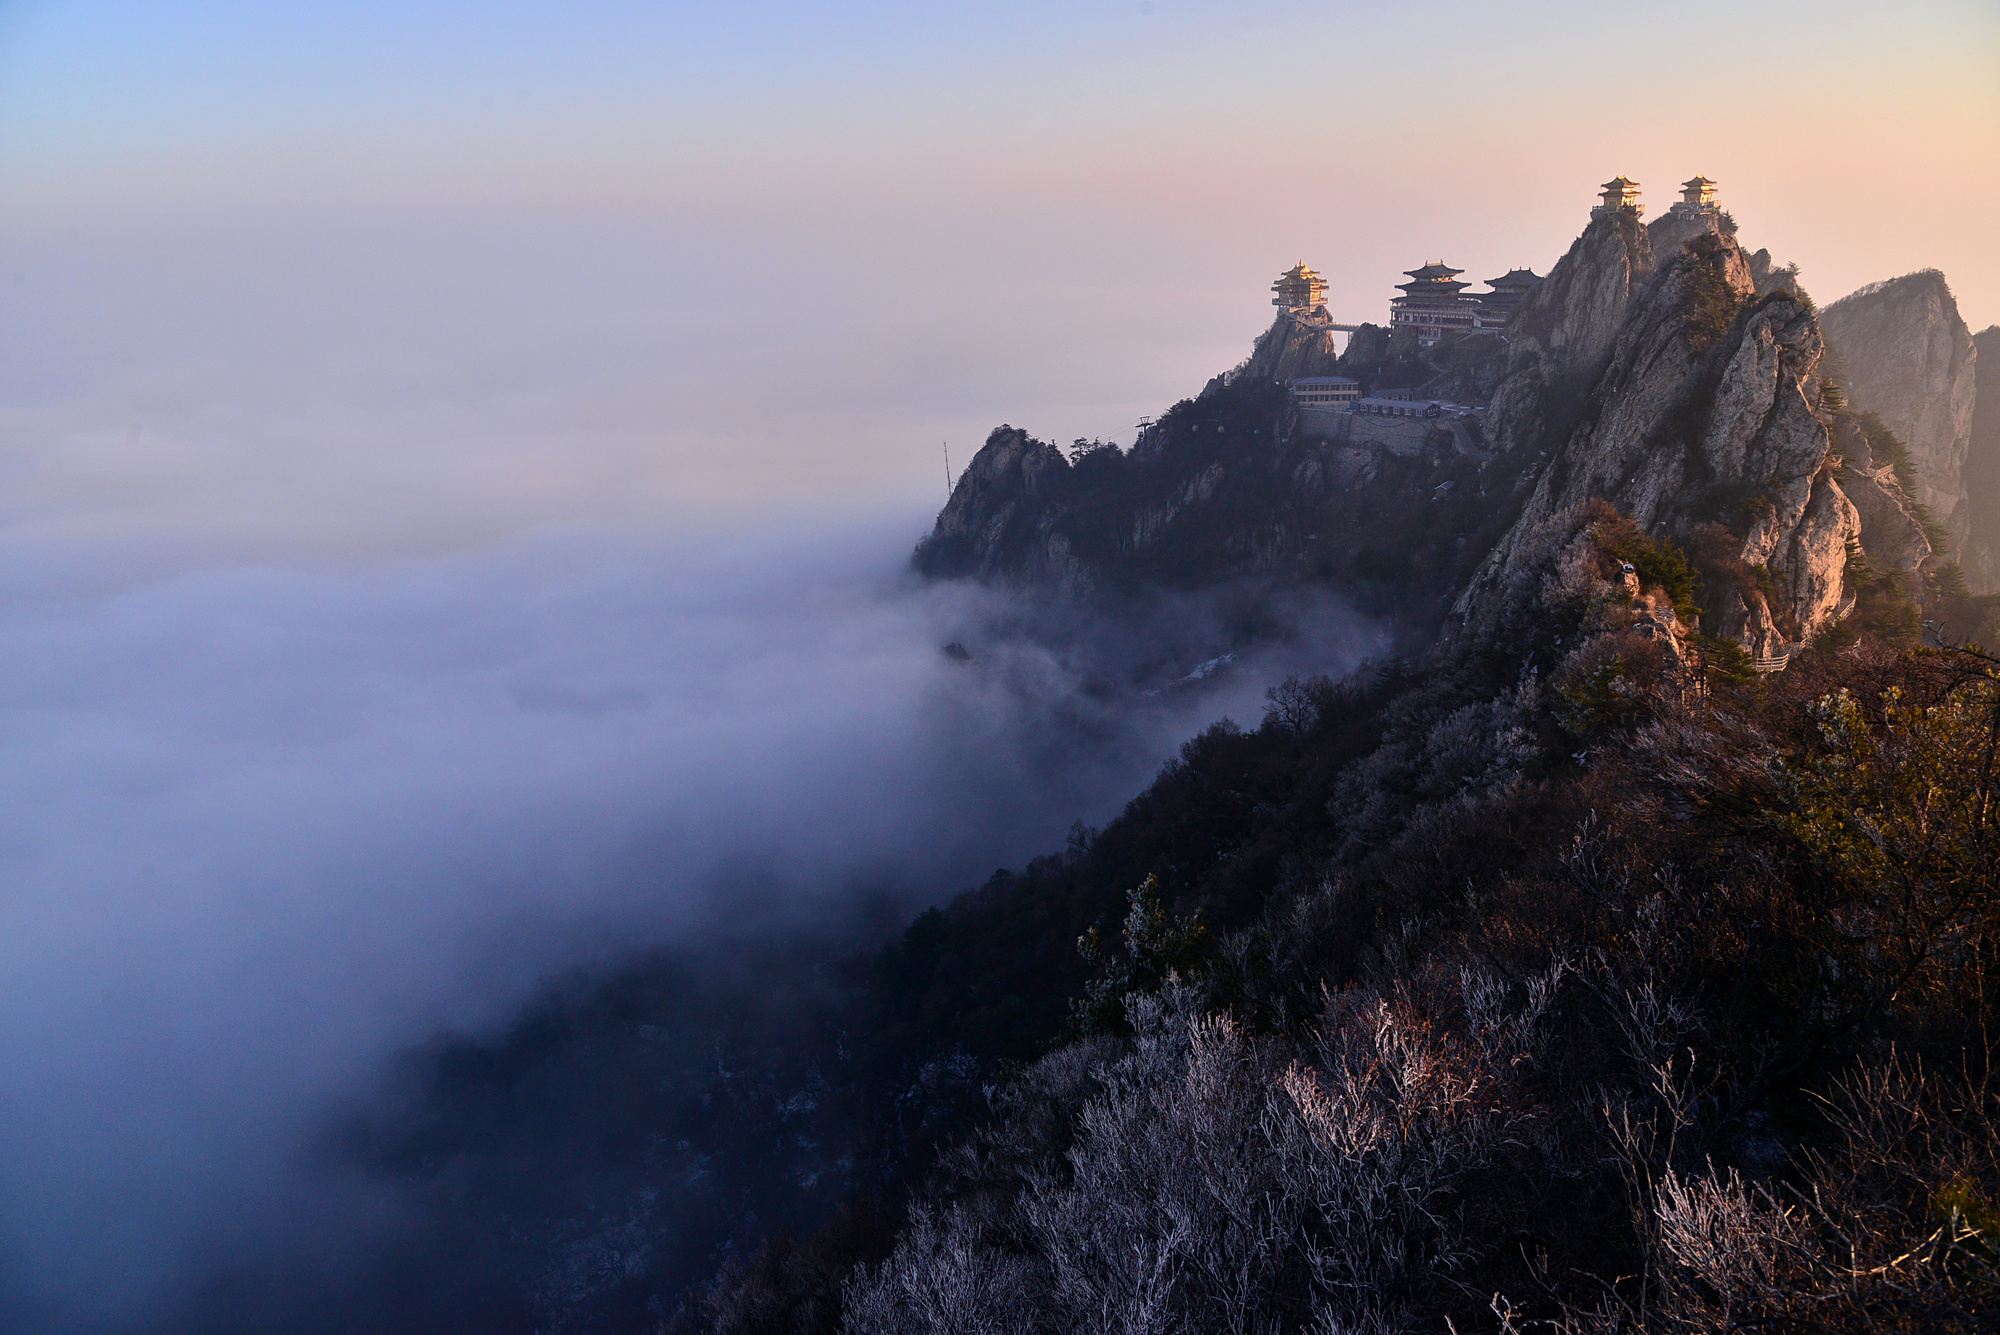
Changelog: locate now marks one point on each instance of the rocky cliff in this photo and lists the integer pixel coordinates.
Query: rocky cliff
(1559, 343)
(1464, 369)
(992, 527)
(1906, 356)
(1297, 343)
(1226, 488)
(1692, 404)
(1682, 383)
(1981, 555)
(1671, 230)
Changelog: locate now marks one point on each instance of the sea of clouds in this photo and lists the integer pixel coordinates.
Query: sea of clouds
(396, 613)
(262, 825)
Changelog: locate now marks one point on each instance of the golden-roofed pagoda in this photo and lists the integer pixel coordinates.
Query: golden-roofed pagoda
(1697, 207)
(1299, 289)
(1620, 193)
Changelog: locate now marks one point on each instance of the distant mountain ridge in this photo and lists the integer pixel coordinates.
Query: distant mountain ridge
(1906, 356)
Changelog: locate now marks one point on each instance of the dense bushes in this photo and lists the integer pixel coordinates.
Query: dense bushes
(1640, 991)
(1222, 1181)
(1684, 1032)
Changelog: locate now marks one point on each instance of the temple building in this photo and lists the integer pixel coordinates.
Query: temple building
(1299, 289)
(1324, 391)
(1695, 214)
(1697, 199)
(1431, 305)
(1434, 302)
(1621, 193)
(1511, 291)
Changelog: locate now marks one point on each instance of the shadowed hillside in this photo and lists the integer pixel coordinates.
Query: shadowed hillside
(1615, 953)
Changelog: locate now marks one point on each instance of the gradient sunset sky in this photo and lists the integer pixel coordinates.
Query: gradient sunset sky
(290, 279)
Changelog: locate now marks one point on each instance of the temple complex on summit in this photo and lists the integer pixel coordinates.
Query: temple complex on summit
(1299, 289)
(1435, 303)
(1431, 305)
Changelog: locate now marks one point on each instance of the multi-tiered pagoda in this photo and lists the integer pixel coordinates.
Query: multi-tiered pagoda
(1299, 289)
(1621, 195)
(1697, 199)
(1431, 305)
(1510, 291)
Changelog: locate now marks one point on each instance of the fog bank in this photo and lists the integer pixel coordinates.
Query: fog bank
(263, 825)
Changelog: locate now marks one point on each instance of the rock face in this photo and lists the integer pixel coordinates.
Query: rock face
(1237, 485)
(1559, 342)
(1296, 344)
(1671, 231)
(1462, 369)
(1906, 356)
(1981, 554)
(1893, 531)
(1699, 418)
(991, 520)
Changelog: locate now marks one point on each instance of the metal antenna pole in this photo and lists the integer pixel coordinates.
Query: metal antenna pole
(947, 470)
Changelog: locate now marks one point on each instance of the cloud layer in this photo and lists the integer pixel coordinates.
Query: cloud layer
(260, 825)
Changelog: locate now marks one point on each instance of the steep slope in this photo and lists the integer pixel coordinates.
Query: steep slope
(1562, 338)
(992, 528)
(1701, 420)
(1297, 343)
(1906, 356)
(1221, 491)
(1232, 486)
(1981, 555)
(1462, 369)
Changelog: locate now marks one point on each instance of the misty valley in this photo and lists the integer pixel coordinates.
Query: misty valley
(1149, 667)
(1532, 861)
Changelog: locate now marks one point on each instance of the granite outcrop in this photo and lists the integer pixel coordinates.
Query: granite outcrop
(1701, 417)
(1981, 556)
(1905, 355)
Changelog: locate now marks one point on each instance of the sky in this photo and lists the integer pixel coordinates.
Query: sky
(456, 460)
(279, 278)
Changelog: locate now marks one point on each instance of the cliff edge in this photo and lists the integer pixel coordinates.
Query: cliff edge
(1906, 356)
(1703, 419)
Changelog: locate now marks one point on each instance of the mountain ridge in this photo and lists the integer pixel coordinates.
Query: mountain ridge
(1691, 388)
(1528, 975)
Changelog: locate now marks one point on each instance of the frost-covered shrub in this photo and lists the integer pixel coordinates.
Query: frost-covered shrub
(1222, 1182)
(1892, 1228)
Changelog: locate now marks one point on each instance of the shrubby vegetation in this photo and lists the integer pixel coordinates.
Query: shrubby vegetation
(1557, 983)
(1684, 1030)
